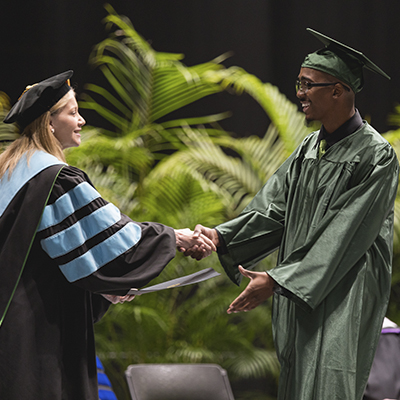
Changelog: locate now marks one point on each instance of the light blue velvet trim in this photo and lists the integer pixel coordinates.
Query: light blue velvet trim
(76, 235)
(78, 197)
(103, 253)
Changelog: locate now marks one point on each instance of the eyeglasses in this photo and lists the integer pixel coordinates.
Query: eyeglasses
(304, 86)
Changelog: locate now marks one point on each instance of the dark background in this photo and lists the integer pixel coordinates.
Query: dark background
(268, 38)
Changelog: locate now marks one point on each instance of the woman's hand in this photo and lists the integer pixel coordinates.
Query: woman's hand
(186, 239)
(201, 231)
(118, 299)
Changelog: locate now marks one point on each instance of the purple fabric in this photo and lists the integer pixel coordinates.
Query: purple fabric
(391, 330)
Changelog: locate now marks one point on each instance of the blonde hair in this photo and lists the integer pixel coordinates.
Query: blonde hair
(36, 136)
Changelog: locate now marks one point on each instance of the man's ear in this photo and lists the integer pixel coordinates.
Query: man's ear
(338, 90)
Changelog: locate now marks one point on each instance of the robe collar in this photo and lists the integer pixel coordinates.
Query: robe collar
(23, 172)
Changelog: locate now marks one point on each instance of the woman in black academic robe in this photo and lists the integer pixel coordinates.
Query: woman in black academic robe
(62, 247)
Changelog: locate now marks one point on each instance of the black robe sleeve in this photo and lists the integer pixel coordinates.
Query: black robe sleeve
(96, 246)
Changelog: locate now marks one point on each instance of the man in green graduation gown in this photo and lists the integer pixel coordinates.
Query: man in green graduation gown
(329, 210)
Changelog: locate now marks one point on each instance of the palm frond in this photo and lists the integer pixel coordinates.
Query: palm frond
(178, 201)
(234, 178)
(146, 85)
(394, 117)
(393, 137)
(8, 132)
(123, 153)
(282, 112)
(208, 119)
(253, 364)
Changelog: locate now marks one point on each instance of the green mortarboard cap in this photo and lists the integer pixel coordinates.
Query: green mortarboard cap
(340, 61)
(39, 98)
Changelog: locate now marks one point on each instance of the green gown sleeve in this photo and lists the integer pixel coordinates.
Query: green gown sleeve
(359, 218)
(258, 230)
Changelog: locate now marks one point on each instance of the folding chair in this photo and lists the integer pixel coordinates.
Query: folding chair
(178, 382)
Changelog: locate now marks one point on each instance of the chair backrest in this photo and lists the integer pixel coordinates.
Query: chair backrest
(178, 382)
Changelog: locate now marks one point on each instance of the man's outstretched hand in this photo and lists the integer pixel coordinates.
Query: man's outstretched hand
(196, 251)
(187, 239)
(259, 289)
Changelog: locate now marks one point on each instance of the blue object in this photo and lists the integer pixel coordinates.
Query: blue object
(105, 389)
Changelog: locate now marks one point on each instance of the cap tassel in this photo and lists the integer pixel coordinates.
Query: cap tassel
(26, 89)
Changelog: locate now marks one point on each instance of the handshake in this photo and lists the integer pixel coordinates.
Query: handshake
(197, 244)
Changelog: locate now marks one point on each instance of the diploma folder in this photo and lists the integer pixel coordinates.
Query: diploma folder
(199, 276)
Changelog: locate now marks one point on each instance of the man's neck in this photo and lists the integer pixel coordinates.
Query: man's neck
(346, 129)
(335, 123)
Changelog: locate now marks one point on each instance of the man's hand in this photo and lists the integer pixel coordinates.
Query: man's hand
(259, 289)
(187, 239)
(199, 232)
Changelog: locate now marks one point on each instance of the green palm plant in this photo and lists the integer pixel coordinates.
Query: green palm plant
(283, 114)
(145, 88)
(236, 179)
(8, 132)
(393, 137)
(177, 172)
(189, 324)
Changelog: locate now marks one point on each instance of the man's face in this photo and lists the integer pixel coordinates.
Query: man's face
(316, 102)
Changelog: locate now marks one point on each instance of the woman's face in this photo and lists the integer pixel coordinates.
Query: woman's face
(67, 124)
